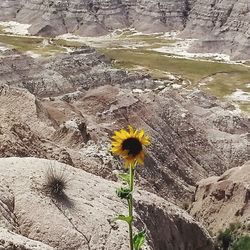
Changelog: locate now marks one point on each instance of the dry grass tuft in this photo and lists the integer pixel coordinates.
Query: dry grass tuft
(56, 183)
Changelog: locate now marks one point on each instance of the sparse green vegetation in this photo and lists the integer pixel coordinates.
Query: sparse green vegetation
(244, 106)
(21, 43)
(42, 46)
(34, 44)
(67, 43)
(193, 70)
(243, 243)
(234, 238)
(225, 239)
(150, 38)
(151, 41)
(226, 83)
(219, 79)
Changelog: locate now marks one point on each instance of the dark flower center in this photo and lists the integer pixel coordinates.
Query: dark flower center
(133, 146)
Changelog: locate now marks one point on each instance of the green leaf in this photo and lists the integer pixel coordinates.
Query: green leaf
(139, 240)
(123, 192)
(125, 177)
(122, 217)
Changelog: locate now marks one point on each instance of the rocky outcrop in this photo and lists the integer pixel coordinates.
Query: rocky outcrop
(83, 219)
(66, 73)
(221, 26)
(224, 199)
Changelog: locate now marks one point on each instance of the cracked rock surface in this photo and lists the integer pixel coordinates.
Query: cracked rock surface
(82, 220)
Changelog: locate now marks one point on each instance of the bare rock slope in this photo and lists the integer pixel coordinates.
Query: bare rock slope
(221, 25)
(83, 218)
(193, 135)
(221, 200)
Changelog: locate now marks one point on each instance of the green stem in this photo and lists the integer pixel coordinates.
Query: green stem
(130, 204)
(132, 174)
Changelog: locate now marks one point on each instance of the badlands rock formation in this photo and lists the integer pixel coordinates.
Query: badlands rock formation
(60, 117)
(90, 17)
(221, 200)
(66, 73)
(221, 26)
(83, 219)
(66, 108)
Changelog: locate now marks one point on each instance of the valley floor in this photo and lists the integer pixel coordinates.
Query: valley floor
(162, 55)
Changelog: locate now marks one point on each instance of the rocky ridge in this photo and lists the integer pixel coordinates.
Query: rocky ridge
(66, 73)
(221, 26)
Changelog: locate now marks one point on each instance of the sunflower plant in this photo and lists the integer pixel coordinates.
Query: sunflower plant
(129, 145)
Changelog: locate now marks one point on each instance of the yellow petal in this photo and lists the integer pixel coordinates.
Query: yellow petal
(116, 150)
(135, 133)
(116, 138)
(140, 158)
(145, 140)
(121, 135)
(131, 130)
(116, 144)
(141, 134)
(118, 135)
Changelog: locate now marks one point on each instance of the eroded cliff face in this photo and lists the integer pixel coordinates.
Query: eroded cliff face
(224, 25)
(72, 104)
(221, 26)
(157, 16)
(96, 17)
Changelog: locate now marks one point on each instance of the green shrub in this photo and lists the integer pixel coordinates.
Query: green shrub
(243, 243)
(233, 238)
(225, 239)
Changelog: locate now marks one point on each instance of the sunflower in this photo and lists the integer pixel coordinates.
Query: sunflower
(129, 145)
